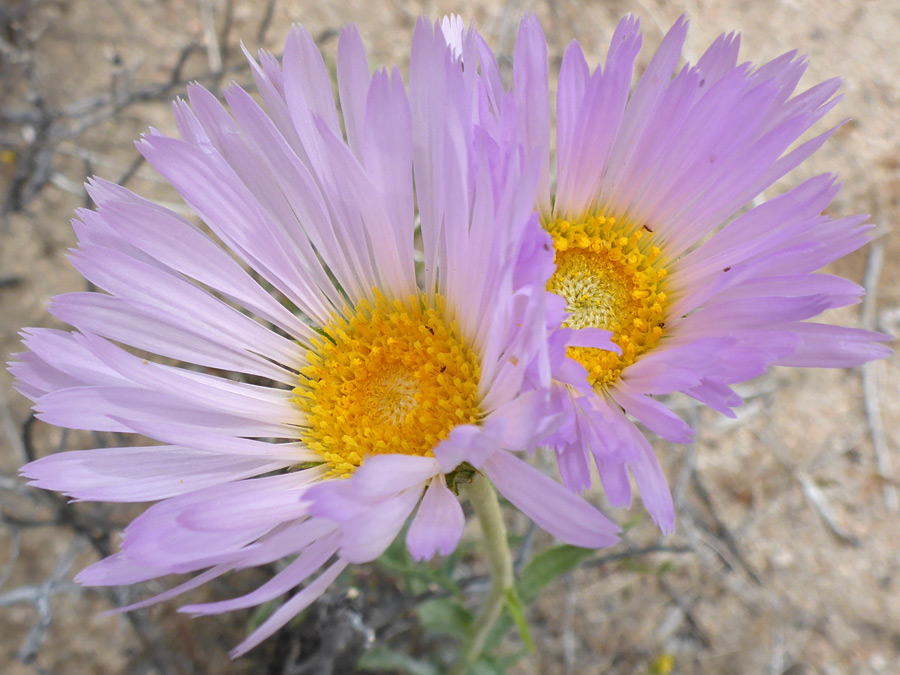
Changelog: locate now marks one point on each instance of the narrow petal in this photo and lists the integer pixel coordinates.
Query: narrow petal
(550, 505)
(366, 537)
(438, 525)
(305, 564)
(388, 474)
(291, 608)
(824, 346)
(616, 484)
(117, 570)
(354, 76)
(189, 585)
(532, 98)
(653, 414)
(652, 485)
(140, 474)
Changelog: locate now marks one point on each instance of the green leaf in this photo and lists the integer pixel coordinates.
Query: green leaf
(384, 659)
(485, 666)
(547, 566)
(506, 661)
(537, 574)
(444, 616)
(495, 665)
(514, 606)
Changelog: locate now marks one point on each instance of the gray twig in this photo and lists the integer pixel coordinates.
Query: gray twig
(720, 530)
(686, 608)
(265, 23)
(39, 596)
(9, 427)
(816, 497)
(871, 398)
(210, 37)
(813, 494)
(635, 553)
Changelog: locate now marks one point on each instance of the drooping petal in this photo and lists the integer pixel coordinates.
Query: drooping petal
(438, 525)
(367, 536)
(563, 514)
(304, 565)
(291, 608)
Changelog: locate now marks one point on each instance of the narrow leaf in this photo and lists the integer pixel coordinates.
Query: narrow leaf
(383, 659)
(444, 616)
(514, 606)
(547, 566)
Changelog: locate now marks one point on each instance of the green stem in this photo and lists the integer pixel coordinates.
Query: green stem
(481, 494)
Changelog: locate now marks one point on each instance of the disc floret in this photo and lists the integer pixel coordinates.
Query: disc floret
(387, 377)
(612, 279)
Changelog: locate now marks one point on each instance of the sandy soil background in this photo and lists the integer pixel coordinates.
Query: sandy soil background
(785, 558)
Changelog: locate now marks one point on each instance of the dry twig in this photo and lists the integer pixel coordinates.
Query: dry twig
(720, 531)
(813, 494)
(871, 397)
(817, 498)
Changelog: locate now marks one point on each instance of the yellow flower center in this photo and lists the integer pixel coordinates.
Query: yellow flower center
(393, 378)
(612, 280)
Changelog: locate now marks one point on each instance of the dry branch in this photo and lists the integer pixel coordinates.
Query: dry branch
(871, 394)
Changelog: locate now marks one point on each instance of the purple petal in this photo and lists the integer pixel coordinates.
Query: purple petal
(593, 337)
(354, 76)
(310, 560)
(652, 485)
(366, 537)
(438, 525)
(515, 424)
(530, 79)
(117, 570)
(382, 475)
(189, 585)
(824, 346)
(290, 609)
(113, 408)
(615, 481)
(652, 414)
(550, 505)
(466, 443)
(140, 474)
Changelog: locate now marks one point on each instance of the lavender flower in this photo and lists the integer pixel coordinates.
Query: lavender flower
(652, 244)
(384, 385)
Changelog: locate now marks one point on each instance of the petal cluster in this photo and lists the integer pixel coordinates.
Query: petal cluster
(214, 340)
(671, 162)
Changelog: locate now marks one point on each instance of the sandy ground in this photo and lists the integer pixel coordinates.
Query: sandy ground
(794, 561)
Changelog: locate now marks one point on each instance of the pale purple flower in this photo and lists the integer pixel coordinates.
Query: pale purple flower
(384, 384)
(652, 243)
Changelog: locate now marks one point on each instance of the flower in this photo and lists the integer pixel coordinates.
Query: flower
(345, 393)
(652, 245)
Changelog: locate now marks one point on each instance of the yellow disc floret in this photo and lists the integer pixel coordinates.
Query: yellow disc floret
(610, 279)
(389, 378)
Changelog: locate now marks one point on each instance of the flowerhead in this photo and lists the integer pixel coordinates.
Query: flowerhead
(652, 246)
(309, 389)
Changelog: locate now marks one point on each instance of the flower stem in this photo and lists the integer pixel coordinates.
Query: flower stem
(481, 494)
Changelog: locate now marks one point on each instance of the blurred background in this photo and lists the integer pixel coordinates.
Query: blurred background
(785, 557)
